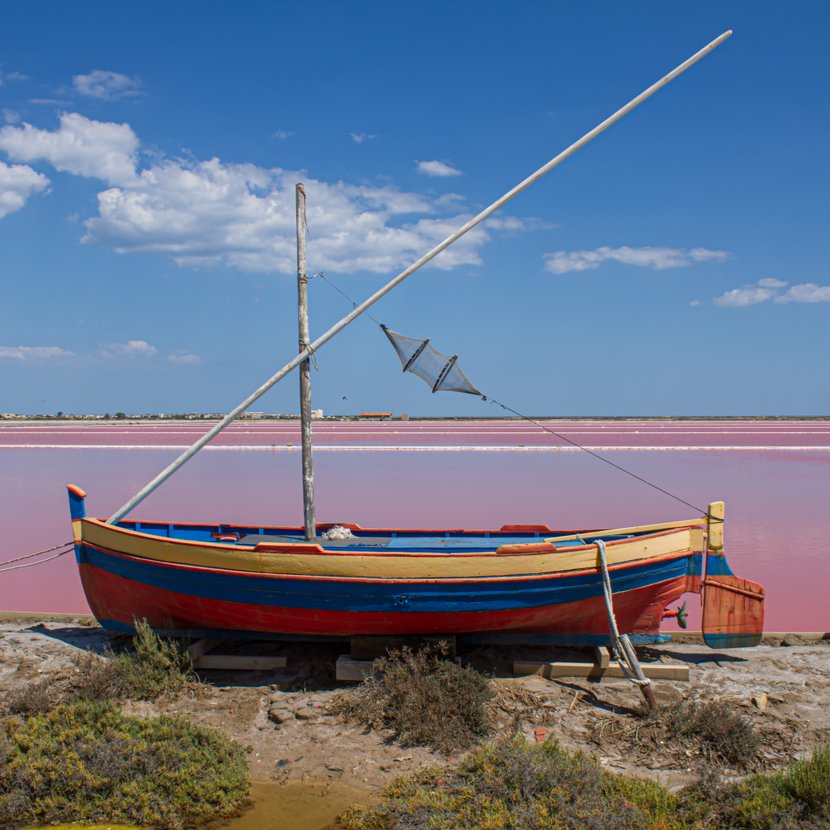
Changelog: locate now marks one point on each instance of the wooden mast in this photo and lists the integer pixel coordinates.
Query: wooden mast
(305, 370)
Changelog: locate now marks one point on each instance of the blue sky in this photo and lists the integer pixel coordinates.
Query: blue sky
(149, 151)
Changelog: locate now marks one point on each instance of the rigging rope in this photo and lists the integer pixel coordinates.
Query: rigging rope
(547, 429)
(596, 455)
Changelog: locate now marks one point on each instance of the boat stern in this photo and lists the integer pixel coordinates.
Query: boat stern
(733, 607)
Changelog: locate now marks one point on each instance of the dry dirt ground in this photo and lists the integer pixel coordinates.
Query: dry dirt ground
(783, 689)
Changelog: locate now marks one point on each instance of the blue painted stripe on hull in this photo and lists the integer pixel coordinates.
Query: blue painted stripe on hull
(417, 597)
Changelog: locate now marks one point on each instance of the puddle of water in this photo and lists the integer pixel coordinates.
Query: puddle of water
(297, 805)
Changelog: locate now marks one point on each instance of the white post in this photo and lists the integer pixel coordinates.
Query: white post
(305, 371)
(339, 326)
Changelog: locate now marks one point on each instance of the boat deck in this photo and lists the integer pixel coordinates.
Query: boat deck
(361, 540)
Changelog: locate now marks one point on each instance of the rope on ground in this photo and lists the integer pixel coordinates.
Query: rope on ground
(39, 561)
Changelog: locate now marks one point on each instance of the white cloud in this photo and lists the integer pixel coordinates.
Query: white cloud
(208, 214)
(11, 116)
(563, 262)
(211, 214)
(748, 295)
(808, 292)
(32, 353)
(436, 168)
(107, 86)
(17, 183)
(80, 145)
(11, 76)
(695, 303)
(130, 349)
(360, 138)
(283, 134)
(184, 359)
(770, 288)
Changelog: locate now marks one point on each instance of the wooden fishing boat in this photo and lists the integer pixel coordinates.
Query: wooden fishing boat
(231, 580)
(585, 587)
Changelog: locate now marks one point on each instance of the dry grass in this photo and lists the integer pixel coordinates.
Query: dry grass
(703, 733)
(422, 698)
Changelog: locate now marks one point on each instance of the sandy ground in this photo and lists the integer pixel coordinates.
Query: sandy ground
(284, 717)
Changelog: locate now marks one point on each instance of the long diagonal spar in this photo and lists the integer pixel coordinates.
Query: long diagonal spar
(355, 313)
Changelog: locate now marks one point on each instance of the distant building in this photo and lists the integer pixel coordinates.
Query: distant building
(376, 416)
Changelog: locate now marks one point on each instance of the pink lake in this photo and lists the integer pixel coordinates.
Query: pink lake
(773, 475)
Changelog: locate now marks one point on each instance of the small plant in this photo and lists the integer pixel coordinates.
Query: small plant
(724, 734)
(423, 698)
(33, 699)
(154, 667)
(86, 762)
(808, 782)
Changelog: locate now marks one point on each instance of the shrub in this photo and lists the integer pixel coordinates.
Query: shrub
(796, 799)
(154, 667)
(706, 734)
(86, 762)
(423, 698)
(724, 734)
(511, 785)
(33, 699)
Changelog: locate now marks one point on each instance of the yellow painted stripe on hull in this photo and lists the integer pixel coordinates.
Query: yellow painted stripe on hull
(397, 565)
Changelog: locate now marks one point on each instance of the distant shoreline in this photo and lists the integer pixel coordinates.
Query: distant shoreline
(11, 418)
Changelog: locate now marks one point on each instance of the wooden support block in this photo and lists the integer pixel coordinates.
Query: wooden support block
(240, 662)
(653, 671)
(602, 657)
(200, 647)
(349, 670)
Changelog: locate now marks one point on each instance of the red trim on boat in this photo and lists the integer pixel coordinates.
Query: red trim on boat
(122, 600)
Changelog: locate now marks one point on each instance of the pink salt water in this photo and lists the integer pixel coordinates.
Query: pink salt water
(773, 475)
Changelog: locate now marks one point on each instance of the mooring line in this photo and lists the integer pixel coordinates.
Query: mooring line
(67, 545)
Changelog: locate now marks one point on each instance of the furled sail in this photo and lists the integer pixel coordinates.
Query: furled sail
(439, 371)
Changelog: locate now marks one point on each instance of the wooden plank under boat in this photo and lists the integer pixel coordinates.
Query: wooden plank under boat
(200, 579)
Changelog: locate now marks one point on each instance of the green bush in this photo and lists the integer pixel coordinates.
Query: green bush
(154, 667)
(424, 698)
(512, 785)
(86, 762)
(808, 782)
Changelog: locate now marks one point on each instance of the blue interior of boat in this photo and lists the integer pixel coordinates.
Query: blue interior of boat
(425, 541)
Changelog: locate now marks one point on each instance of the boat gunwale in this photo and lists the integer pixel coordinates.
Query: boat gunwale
(311, 549)
(678, 554)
